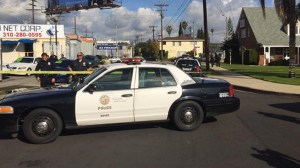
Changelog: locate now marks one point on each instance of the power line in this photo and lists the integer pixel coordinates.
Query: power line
(184, 5)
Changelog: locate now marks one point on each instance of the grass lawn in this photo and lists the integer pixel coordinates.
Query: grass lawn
(277, 74)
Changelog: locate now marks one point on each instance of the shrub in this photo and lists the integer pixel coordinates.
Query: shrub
(279, 63)
(251, 57)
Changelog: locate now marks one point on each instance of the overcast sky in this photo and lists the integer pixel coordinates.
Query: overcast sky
(135, 16)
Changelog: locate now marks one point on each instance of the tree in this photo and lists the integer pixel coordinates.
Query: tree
(230, 31)
(180, 33)
(169, 30)
(287, 14)
(212, 34)
(298, 11)
(200, 34)
(149, 49)
(231, 45)
(184, 25)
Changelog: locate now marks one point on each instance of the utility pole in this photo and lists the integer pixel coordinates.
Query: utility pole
(161, 28)
(206, 46)
(32, 4)
(86, 32)
(194, 39)
(75, 25)
(153, 30)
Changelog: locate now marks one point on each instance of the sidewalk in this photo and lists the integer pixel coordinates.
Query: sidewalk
(248, 83)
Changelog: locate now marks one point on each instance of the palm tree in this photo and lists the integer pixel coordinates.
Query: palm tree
(169, 29)
(180, 32)
(184, 25)
(286, 13)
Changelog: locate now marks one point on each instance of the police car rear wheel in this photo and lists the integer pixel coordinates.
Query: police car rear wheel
(188, 116)
(42, 126)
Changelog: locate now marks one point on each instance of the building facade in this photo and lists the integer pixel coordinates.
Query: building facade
(111, 48)
(19, 40)
(176, 46)
(77, 43)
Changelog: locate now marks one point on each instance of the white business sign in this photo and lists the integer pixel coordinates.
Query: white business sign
(32, 31)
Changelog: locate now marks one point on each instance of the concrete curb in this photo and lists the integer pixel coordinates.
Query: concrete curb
(242, 88)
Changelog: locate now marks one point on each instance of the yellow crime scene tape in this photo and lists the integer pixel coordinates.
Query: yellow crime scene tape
(45, 72)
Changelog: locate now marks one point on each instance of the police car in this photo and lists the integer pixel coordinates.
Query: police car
(117, 93)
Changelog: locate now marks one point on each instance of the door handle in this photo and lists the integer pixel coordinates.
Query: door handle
(127, 95)
(172, 92)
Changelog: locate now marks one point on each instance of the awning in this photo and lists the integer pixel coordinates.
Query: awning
(7, 42)
(27, 41)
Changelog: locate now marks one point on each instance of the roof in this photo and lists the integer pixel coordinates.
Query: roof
(182, 38)
(267, 31)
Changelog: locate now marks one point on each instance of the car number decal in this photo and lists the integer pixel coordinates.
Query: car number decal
(222, 95)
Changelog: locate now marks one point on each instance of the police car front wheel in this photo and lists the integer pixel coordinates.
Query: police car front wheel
(188, 116)
(42, 126)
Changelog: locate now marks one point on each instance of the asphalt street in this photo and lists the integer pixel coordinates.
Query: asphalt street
(264, 133)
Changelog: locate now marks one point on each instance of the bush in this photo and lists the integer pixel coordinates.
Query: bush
(251, 57)
(279, 63)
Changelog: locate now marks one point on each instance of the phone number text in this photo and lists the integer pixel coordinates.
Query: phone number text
(17, 34)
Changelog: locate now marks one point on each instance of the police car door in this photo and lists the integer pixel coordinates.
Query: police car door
(110, 102)
(157, 91)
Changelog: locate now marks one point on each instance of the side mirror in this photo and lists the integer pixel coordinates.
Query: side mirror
(91, 88)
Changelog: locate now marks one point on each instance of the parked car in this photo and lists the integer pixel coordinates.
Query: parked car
(115, 60)
(92, 60)
(189, 65)
(4, 68)
(138, 59)
(115, 94)
(101, 59)
(62, 65)
(24, 64)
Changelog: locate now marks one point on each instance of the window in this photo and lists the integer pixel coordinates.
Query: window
(267, 49)
(116, 80)
(155, 77)
(242, 23)
(243, 33)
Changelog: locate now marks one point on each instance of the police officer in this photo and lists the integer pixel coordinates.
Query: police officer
(79, 65)
(53, 57)
(46, 80)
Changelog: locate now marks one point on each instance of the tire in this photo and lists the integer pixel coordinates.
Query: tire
(42, 126)
(29, 69)
(188, 116)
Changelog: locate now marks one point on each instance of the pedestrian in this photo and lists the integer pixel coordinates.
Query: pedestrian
(79, 65)
(53, 57)
(212, 60)
(218, 60)
(46, 80)
(62, 57)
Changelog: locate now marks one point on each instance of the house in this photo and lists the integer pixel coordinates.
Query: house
(176, 46)
(264, 34)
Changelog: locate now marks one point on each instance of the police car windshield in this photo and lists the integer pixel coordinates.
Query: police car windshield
(88, 79)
